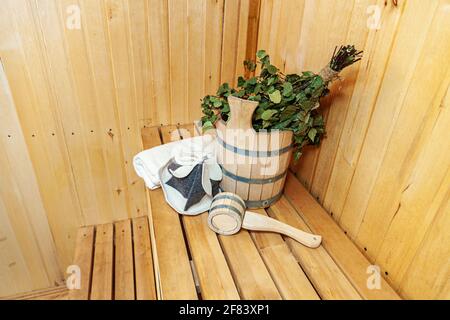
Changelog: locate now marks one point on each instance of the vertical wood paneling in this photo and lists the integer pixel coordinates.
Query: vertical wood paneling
(196, 48)
(178, 26)
(320, 33)
(21, 208)
(370, 76)
(339, 102)
(230, 41)
(82, 96)
(393, 90)
(213, 44)
(123, 66)
(382, 171)
(414, 187)
(27, 75)
(159, 43)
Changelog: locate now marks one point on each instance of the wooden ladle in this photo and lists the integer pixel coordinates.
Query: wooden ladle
(228, 215)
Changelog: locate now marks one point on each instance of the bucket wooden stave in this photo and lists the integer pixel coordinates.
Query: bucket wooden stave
(254, 163)
(226, 213)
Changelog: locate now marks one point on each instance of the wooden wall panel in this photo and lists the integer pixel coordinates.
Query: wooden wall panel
(380, 171)
(28, 253)
(82, 93)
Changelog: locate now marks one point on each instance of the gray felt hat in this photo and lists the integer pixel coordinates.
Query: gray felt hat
(190, 181)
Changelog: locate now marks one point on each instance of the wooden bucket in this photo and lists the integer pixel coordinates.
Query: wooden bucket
(226, 213)
(254, 163)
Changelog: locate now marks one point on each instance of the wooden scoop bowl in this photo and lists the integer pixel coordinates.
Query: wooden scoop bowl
(228, 215)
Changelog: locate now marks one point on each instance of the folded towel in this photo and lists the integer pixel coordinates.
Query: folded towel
(148, 163)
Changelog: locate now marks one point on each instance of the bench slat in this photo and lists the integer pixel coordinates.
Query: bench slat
(83, 259)
(248, 269)
(289, 277)
(143, 261)
(102, 276)
(322, 271)
(124, 270)
(175, 273)
(346, 254)
(215, 282)
(169, 134)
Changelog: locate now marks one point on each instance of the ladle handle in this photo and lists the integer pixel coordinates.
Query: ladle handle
(257, 222)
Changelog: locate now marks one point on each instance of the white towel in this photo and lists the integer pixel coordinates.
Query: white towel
(148, 162)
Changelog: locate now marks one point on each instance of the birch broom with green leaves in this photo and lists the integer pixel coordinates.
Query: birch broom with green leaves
(286, 102)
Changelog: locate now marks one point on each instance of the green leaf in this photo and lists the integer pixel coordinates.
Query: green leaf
(207, 125)
(250, 65)
(312, 134)
(223, 88)
(261, 54)
(288, 112)
(251, 81)
(268, 114)
(258, 89)
(275, 96)
(271, 81)
(241, 81)
(272, 69)
(217, 104)
(287, 89)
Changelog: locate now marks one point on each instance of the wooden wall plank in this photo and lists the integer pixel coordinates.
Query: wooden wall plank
(339, 100)
(213, 44)
(428, 273)
(396, 82)
(418, 203)
(14, 274)
(63, 87)
(79, 72)
(370, 77)
(380, 120)
(320, 35)
(123, 70)
(196, 48)
(141, 53)
(102, 80)
(230, 41)
(27, 76)
(84, 89)
(22, 202)
(178, 54)
(159, 43)
(397, 182)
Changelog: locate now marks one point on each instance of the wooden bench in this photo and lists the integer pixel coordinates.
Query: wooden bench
(170, 256)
